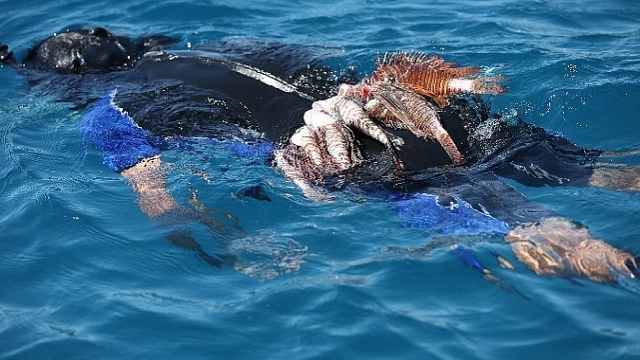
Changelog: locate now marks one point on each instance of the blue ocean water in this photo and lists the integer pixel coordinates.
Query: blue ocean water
(85, 274)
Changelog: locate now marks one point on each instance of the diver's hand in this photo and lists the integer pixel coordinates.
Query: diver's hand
(557, 246)
(6, 56)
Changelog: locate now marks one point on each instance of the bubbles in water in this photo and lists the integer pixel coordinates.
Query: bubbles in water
(571, 70)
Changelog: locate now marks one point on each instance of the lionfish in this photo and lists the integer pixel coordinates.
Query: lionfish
(325, 146)
(407, 110)
(431, 76)
(399, 95)
(395, 93)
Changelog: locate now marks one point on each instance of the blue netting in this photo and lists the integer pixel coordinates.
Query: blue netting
(255, 149)
(121, 142)
(423, 211)
(248, 150)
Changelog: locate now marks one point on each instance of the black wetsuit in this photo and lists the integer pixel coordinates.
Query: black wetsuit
(212, 94)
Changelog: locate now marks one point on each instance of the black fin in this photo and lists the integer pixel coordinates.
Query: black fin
(256, 192)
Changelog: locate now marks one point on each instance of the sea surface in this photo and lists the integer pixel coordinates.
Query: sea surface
(84, 274)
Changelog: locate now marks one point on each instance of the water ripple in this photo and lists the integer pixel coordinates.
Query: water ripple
(86, 274)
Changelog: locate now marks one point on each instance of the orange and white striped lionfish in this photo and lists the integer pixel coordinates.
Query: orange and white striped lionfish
(400, 92)
(405, 92)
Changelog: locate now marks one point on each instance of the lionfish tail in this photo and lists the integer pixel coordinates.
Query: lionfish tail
(482, 85)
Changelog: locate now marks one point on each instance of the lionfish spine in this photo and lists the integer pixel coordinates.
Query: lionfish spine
(411, 57)
(427, 120)
(417, 115)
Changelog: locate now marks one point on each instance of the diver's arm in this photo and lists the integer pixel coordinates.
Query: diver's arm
(547, 243)
(148, 180)
(616, 177)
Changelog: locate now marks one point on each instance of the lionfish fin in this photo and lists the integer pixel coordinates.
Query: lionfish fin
(431, 76)
(441, 100)
(398, 110)
(421, 90)
(421, 59)
(393, 105)
(463, 71)
(481, 85)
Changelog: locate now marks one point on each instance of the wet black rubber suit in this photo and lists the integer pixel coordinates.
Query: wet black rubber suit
(236, 84)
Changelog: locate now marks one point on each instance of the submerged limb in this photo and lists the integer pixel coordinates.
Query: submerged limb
(472, 262)
(186, 241)
(557, 246)
(148, 179)
(621, 178)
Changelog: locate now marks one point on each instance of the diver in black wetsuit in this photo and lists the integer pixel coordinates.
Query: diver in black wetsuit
(220, 92)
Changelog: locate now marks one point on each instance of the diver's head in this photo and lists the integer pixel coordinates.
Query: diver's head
(83, 51)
